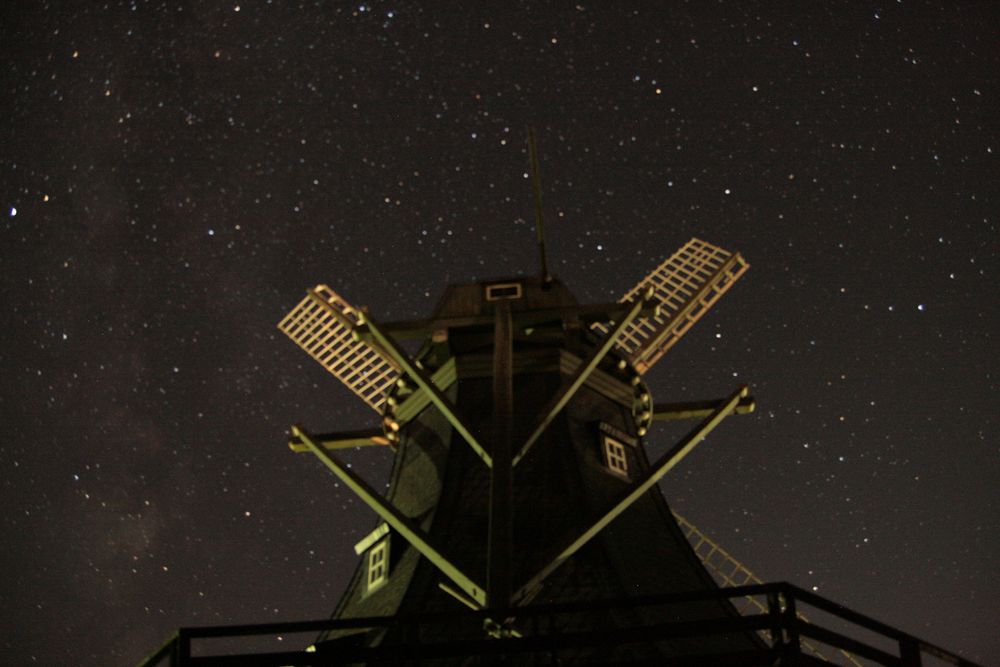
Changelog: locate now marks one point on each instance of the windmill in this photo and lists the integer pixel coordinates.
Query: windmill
(523, 522)
(515, 380)
(467, 479)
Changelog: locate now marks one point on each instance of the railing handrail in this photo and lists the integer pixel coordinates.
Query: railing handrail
(178, 647)
(210, 631)
(870, 623)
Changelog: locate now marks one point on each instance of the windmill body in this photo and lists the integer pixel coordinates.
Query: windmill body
(585, 459)
(519, 475)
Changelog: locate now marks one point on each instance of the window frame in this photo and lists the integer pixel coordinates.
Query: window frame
(492, 291)
(615, 455)
(377, 573)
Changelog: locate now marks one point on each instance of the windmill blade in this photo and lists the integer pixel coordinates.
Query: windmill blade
(323, 325)
(686, 285)
(729, 572)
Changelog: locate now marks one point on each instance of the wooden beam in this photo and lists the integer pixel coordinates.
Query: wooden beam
(341, 440)
(401, 523)
(696, 409)
(641, 486)
(599, 312)
(583, 371)
(409, 369)
(460, 596)
(498, 565)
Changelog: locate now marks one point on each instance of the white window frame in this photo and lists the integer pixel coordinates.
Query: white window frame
(615, 456)
(491, 291)
(378, 564)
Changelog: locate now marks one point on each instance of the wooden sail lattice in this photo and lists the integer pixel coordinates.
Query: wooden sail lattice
(729, 572)
(322, 325)
(686, 285)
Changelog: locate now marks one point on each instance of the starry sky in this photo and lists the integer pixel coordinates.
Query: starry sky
(174, 175)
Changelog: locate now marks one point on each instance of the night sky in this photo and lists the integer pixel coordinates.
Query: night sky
(174, 175)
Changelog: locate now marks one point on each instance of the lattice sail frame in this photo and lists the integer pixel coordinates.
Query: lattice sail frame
(729, 572)
(322, 325)
(686, 285)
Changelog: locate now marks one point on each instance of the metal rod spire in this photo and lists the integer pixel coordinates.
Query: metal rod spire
(536, 186)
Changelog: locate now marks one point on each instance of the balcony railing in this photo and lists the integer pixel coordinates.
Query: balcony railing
(536, 633)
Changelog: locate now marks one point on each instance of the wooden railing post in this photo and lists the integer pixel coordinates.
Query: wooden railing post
(774, 614)
(909, 652)
(792, 623)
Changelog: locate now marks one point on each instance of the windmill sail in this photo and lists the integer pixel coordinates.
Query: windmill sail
(322, 325)
(728, 571)
(686, 285)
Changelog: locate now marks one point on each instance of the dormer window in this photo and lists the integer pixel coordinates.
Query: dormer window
(376, 547)
(615, 456)
(378, 564)
(615, 444)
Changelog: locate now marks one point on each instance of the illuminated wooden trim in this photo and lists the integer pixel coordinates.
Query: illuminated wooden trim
(696, 409)
(371, 538)
(342, 440)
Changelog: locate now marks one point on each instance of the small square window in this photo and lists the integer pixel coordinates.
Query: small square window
(615, 456)
(378, 564)
(503, 291)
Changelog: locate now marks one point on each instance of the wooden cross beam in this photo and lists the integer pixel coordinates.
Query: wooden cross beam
(408, 368)
(641, 486)
(401, 523)
(583, 371)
